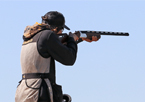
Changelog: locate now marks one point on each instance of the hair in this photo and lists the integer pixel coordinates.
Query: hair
(54, 19)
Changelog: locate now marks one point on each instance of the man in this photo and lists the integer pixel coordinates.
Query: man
(40, 48)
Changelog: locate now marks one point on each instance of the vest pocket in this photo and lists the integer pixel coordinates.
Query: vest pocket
(39, 84)
(33, 83)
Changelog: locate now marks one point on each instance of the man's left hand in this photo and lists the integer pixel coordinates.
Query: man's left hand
(94, 38)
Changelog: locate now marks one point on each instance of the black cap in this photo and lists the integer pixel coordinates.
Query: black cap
(55, 19)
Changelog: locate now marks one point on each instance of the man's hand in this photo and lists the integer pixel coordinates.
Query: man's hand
(94, 38)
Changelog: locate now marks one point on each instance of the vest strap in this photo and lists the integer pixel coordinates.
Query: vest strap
(35, 75)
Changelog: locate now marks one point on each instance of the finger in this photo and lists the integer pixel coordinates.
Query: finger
(86, 39)
(94, 38)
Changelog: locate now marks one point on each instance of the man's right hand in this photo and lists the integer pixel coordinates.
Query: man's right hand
(74, 36)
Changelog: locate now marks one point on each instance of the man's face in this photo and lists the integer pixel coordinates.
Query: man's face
(55, 30)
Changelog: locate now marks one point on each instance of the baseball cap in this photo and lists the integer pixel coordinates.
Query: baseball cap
(55, 18)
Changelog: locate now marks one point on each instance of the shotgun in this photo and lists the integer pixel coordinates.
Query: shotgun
(89, 34)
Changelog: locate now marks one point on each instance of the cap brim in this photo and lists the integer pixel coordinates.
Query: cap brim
(66, 27)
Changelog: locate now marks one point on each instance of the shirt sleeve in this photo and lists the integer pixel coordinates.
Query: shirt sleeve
(65, 54)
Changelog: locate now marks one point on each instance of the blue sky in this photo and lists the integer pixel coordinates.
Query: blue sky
(110, 70)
